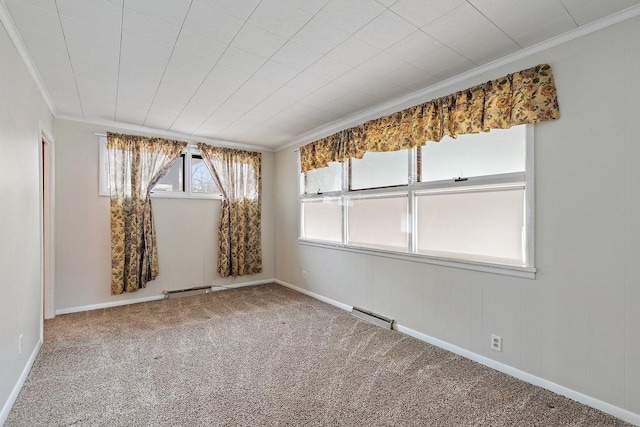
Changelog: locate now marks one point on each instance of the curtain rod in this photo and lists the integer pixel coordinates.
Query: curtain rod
(189, 144)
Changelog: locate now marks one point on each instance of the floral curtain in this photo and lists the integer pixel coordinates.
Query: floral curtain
(528, 96)
(136, 164)
(238, 174)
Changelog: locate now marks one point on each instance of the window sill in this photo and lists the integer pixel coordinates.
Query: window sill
(482, 266)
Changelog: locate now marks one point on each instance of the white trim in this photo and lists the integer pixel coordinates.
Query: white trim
(422, 95)
(109, 124)
(18, 43)
(4, 414)
(314, 295)
(150, 298)
(616, 411)
(485, 267)
(107, 304)
(47, 235)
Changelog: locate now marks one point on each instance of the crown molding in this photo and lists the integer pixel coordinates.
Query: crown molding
(109, 124)
(422, 95)
(16, 39)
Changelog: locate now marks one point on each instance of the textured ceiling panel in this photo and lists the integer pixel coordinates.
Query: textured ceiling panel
(264, 72)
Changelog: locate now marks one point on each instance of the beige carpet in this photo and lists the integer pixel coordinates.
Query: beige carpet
(266, 356)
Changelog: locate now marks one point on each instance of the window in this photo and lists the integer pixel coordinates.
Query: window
(465, 200)
(187, 177)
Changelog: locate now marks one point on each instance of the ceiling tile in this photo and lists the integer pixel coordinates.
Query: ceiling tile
(102, 13)
(381, 65)
(50, 5)
(130, 115)
(439, 60)
(173, 11)
(385, 30)
(328, 69)
(307, 81)
(258, 41)
(278, 17)
(519, 17)
(354, 79)
(255, 90)
(312, 6)
(464, 17)
(319, 36)
(353, 52)
(295, 56)
(406, 75)
(586, 11)
(212, 23)
(138, 26)
(387, 3)
(484, 45)
(39, 40)
(289, 95)
(414, 46)
(276, 72)
(30, 17)
(546, 31)
(241, 60)
(350, 16)
(421, 12)
(239, 9)
(67, 102)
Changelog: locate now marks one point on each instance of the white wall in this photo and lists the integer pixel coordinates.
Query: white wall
(22, 111)
(186, 229)
(578, 323)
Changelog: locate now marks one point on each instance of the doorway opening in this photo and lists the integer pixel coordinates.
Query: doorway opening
(47, 224)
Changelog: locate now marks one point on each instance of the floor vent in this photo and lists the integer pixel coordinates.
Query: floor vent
(371, 317)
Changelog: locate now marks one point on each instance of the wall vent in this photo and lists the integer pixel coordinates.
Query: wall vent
(371, 317)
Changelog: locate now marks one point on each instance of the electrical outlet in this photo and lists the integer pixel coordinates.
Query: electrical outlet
(20, 344)
(304, 274)
(496, 343)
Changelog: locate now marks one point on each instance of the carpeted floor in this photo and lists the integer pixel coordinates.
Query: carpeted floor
(266, 356)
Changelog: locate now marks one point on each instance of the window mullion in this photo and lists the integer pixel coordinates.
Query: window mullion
(187, 173)
(346, 185)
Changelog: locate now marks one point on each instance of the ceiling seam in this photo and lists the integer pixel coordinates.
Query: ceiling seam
(309, 66)
(214, 66)
(569, 13)
(73, 71)
(115, 106)
(496, 25)
(173, 49)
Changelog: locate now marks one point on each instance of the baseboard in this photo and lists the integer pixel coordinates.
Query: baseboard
(608, 408)
(314, 295)
(4, 414)
(147, 299)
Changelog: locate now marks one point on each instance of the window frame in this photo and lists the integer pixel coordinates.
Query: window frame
(526, 178)
(187, 193)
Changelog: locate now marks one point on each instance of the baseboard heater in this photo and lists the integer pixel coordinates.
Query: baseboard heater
(206, 289)
(371, 317)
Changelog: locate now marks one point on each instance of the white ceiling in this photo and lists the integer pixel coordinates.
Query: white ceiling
(264, 72)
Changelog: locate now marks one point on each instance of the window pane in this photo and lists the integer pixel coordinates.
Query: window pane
(487, 224)
(323, 180)
(495, 152)
(377, 170)
(322, 220)
(201, 179)
(172, 181)
(379, 222)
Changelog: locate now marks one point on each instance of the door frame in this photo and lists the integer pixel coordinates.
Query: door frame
(47, 222)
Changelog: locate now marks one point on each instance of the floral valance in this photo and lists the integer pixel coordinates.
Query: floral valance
(528, 96)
